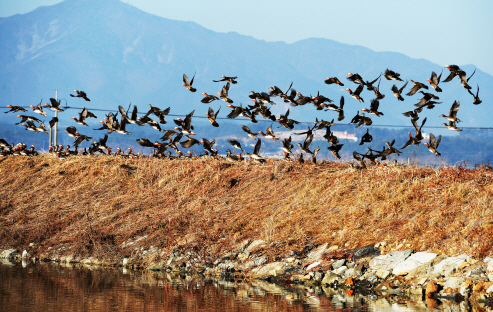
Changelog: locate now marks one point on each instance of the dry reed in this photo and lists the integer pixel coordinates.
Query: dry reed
(91, 205)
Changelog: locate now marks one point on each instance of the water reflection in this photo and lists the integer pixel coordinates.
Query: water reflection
(50, 287)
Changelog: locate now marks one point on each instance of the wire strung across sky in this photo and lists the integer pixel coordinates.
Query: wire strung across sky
(246, 119)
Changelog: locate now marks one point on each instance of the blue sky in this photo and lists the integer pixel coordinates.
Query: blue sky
(444, 32)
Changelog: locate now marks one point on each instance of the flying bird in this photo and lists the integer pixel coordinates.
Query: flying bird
(453, 112)
(72, 131)
(373, 108)
(287, 146)
(55, 105)
(235, 144)
(397, 92)
(208, 98)
(391, 75)
(306, 144)
(356, 78)
(333, 80)
(366, 138)
(80, 94)
(376, 89)
(53, 121)
(224, 94)
(25, 118)
(433, 144)
(249, 132)
(476, 97)
(417, 86)
(38, 109)
(364, 120)
(212, 116)
(369, 84)
(314, 155)
(188, 84)
(434, 81)
(189, 142)
(225, 78)
(334, 149)
(357, 92)
(269, 134)
(14, 109)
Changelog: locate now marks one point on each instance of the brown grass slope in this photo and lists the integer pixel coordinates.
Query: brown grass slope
(92, 204)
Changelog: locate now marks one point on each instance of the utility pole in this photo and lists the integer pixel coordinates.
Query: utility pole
(50, 142)
(56, 123)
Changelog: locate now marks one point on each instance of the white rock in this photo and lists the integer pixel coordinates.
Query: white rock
(490, 277)
(489, 290)
(318, 276)
(242, 256)
(125, 261)
(70, 259)
(414, 261)
(382, 273)
(25, 254)
(422, 281)
(340, 270)
(8, 254)
(316, 254)
(489, 268)
(260, 260)
(351, 272)
(313, 265)
(449, 265)
(242, 245)
(330, 278)
(390, 260)
(453, 282)
(274, 268)
(464, 291)
(256, 244)
(338, 264)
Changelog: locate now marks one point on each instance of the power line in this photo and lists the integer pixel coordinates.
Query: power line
(261, 120)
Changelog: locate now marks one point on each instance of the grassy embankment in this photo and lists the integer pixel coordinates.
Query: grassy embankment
(94, 204)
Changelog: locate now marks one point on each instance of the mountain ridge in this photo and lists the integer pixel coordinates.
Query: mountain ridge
(120, 54)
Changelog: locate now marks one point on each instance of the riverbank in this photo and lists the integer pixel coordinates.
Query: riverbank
(75, 287)
(197, 215)
(418, 280)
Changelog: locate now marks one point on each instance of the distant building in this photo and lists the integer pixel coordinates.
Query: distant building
(318, 135)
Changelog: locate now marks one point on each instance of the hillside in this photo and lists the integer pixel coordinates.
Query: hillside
(92, 205)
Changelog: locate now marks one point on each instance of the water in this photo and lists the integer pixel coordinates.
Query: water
(52, 287)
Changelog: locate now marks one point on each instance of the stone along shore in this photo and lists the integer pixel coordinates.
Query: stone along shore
(365, 270)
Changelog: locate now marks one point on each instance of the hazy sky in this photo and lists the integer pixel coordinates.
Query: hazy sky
(442, 31)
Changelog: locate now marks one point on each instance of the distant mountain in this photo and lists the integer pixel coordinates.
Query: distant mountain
(119, 55)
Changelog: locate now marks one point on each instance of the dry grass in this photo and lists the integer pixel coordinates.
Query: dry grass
(93, 205)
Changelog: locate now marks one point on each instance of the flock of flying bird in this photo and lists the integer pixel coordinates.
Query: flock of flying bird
(171, 139)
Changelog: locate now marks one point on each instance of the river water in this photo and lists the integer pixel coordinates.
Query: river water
(53, 287)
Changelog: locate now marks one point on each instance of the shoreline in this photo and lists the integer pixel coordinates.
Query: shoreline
(364, 271)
